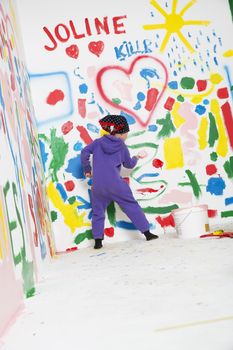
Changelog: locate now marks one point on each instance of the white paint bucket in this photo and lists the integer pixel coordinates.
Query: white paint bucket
(191, 222)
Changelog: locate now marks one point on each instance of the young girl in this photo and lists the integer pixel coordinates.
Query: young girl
(109, 153)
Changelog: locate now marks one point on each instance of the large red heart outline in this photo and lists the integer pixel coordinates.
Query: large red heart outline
(128, 72)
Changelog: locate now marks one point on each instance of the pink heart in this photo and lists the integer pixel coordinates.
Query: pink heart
(96, 47)
(72, 51)
(128, 72)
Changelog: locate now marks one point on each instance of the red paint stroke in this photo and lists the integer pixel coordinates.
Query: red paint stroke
(99, 81)
(152, 95)
(169, 103)
(84, 134)
(211, 169)
(54, 97)
(126, 179)
(3, 123)
(35, 233)
(147, 189)
(166, 221)
(72, 249)
(82, 107)
(67, 127)
(157, 163)
(212, 213)
(109, 232)
(96, 47)
(223, 93)
(201, 85)
(72, 51)
(69, 185)
(228, 119)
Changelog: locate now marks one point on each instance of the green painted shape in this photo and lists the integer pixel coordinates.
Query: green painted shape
(72, 199)
(160, 210)
(28, 277)
(213, 156)
(82, 236)
(187, 83)
(111, 212)
(193, 183)
(167, 126)
(53, 215)
(228, 167)
(231, 8)
(180, 98)
(116, 100)
(59, 150)
(227, 213)
(213, 131)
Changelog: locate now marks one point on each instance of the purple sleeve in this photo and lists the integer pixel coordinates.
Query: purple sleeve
(85, 157)
(128, 162)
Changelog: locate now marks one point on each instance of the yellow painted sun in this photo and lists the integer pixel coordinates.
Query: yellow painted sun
(174, 23)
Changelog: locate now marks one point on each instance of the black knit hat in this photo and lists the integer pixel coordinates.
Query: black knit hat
(114, 124)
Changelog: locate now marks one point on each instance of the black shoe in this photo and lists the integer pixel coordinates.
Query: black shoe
(149, 236)
(98, 243)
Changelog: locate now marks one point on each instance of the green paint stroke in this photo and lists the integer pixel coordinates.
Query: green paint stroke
(227, 213)
(213, 156)
(72, 199)
(82, 236)
(193, 183)
(167, 126)
(213, 131)
(111, 211)
(187, 83)
(160, 210)
(228, 167)
(53, 215)
(180, 98)
(116, 100)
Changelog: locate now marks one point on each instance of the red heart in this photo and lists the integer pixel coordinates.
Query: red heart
(72, 51)
(128, 72)
(96, 47)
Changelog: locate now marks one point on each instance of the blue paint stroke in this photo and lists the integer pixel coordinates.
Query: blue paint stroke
(129, 118)
(206, 102)
(78, 146)
(147, 73)
(152, 128)
(93, 128)
(83, 88)
(200, 109)
(173, 85)
(44, 155)
(75, 167)
(216, 61)
(229, 80)
(137, 106)
(215, 186)
(228, 200)
(141, 96)
(85, 205)
(146, 175)
(62, 191)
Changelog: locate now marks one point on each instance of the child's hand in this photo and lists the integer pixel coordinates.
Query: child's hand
(88, 174)
(141, 154)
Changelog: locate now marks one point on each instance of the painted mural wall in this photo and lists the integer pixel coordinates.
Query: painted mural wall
(25, 230)
(167, 67)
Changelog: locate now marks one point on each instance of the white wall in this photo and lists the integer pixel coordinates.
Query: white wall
(193, 144)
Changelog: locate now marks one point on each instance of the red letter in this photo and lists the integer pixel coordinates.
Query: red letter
(118, 25)
(51, 38)
(103, 26)
(76, 36)
(58, 35)
(88, 28)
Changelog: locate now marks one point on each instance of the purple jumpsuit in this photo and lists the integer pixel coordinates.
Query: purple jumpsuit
(109, 152)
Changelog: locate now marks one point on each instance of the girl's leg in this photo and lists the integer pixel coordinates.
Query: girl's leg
(99, 205)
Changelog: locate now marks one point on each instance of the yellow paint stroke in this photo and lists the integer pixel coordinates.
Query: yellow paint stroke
(178, 120)
(69, 211)
(202, 133)
(173, 153)
(174, 22)
(222, 146)
(3, 230)
(21, 178)
(228, 53)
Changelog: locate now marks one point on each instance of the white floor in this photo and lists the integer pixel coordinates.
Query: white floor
(168, 294)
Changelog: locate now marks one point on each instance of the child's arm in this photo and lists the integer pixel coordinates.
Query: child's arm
(85, 158)
(129, 162)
